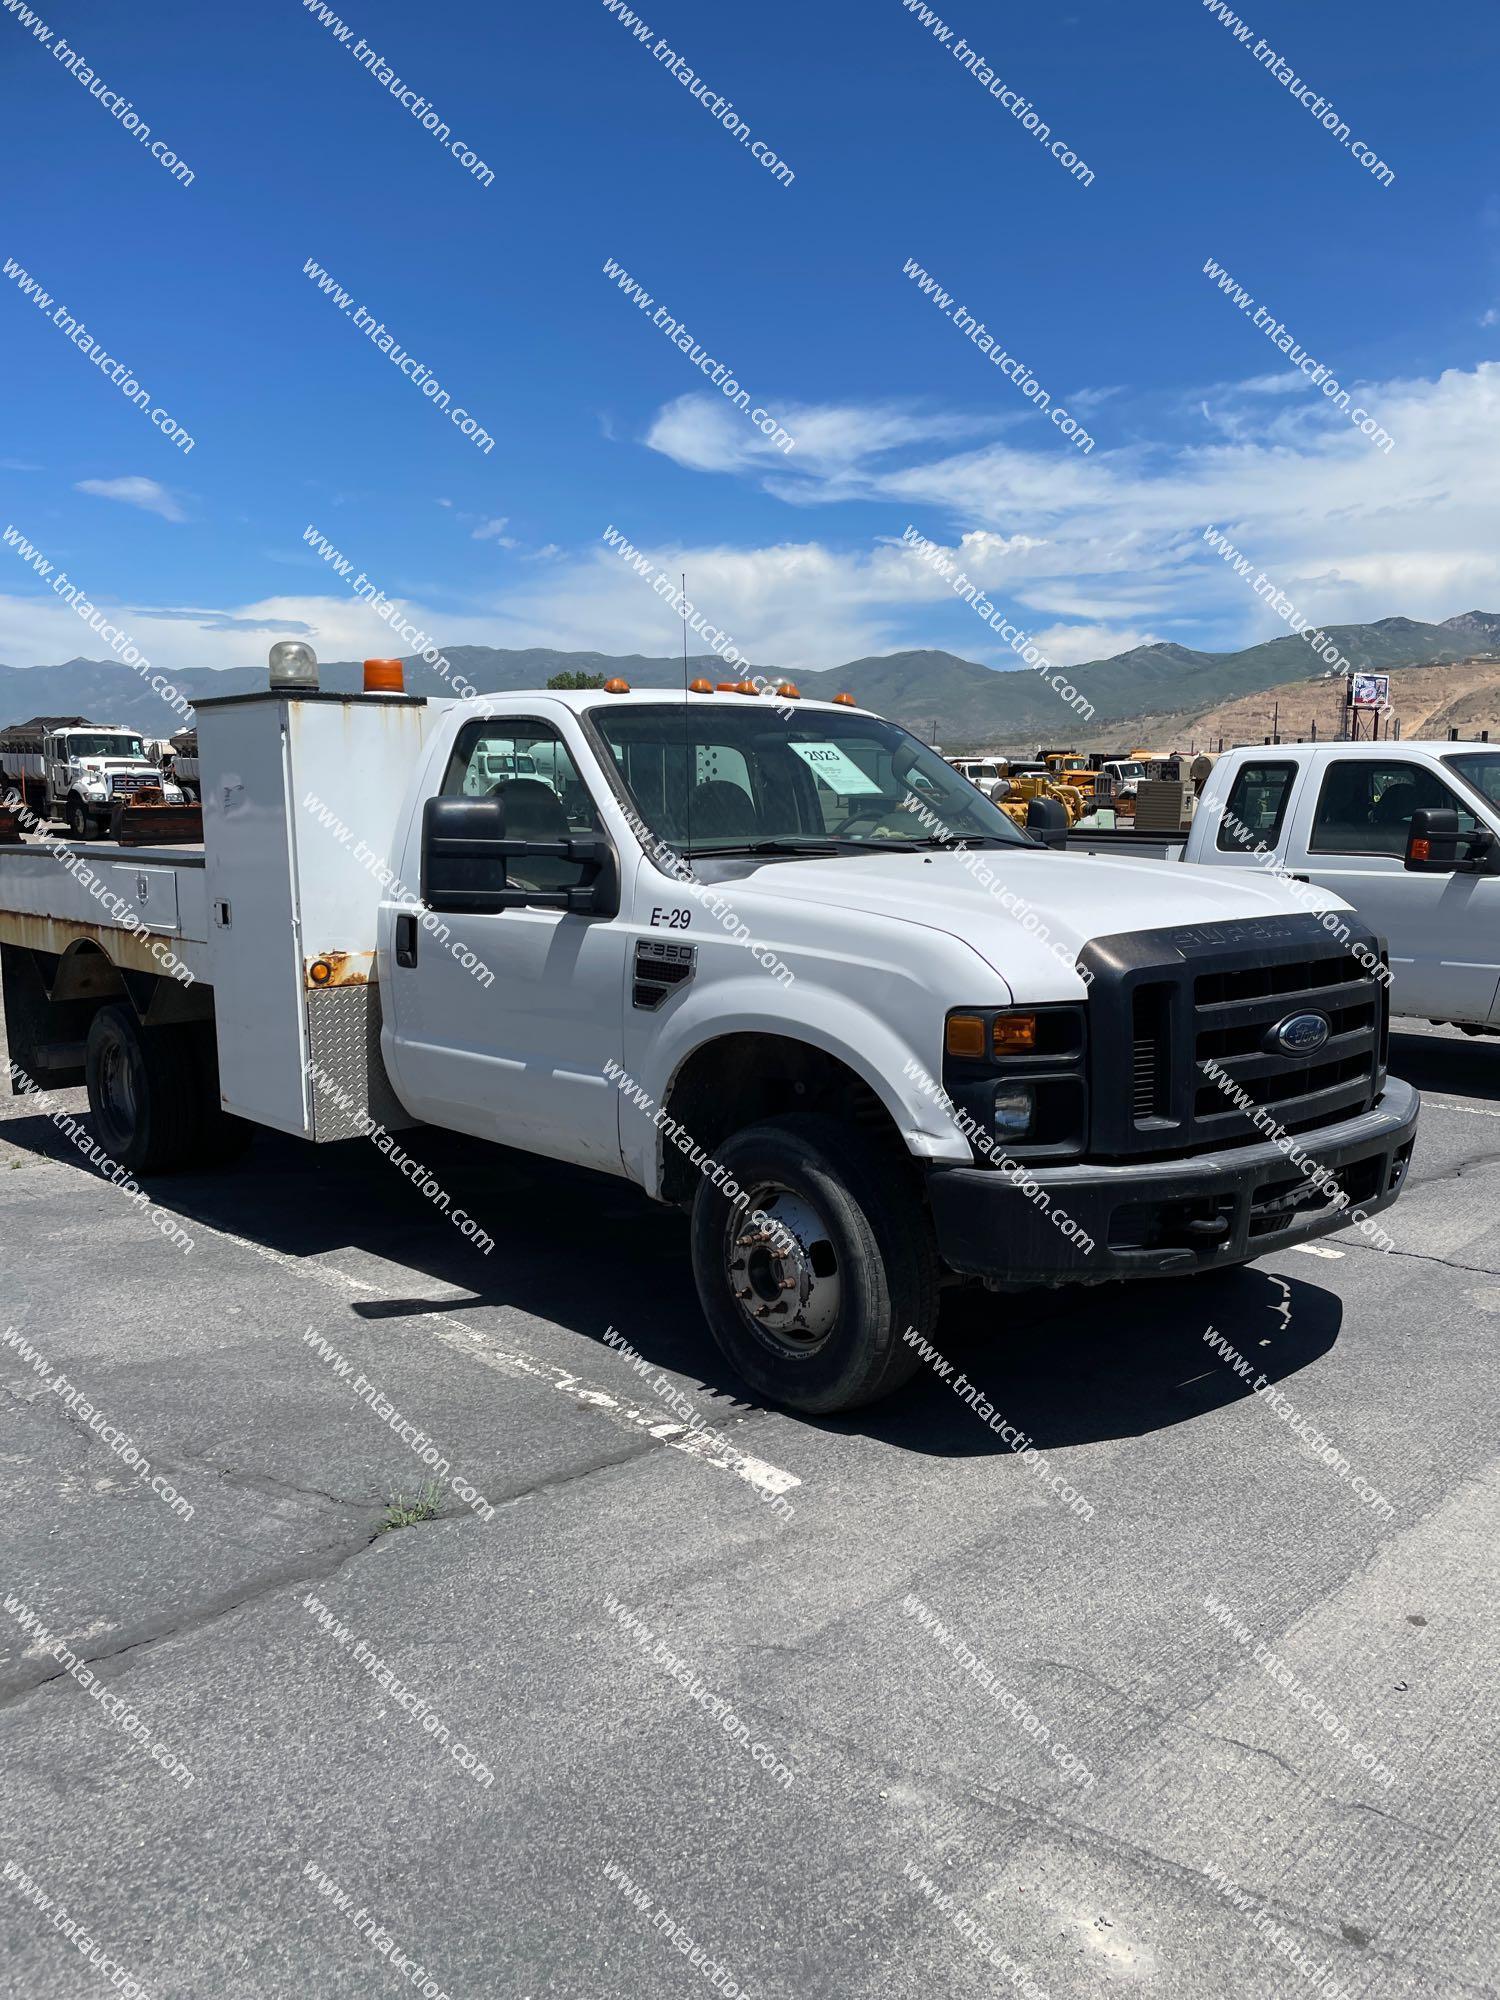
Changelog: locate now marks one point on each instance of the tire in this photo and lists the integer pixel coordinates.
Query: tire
(78, 819)
(861, 1271)
(145, 1092)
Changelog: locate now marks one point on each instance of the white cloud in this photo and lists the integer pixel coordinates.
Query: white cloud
(1094, 554)
(494, 531)
(147, 494)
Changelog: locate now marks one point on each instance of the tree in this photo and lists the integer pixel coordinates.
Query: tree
(576, 681)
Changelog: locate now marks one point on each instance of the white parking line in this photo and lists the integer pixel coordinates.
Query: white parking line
(705, 1445)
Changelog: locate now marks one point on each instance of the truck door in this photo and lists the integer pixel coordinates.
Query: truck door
(500, 1023)
(1443, 930)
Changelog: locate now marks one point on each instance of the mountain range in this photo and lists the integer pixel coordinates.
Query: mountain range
(959, 702)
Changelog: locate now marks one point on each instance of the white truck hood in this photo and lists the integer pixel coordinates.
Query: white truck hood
(1040, 908)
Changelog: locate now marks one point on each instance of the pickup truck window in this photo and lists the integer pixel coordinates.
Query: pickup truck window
(825, 777)
(1481, 769)
(1366, 804)
(526, 766)
(1256, 807)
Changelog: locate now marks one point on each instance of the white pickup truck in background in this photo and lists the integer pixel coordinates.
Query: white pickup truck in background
(1408, 834)
(707, 941)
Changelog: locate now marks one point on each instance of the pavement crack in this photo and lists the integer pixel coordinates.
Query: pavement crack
(1323, 1798)
(319, 1569)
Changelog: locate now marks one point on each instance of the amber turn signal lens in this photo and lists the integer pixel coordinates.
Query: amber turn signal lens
(1014, 1031)
(966, 1036)
(1421, 850)
(384, 677)
(617, 686)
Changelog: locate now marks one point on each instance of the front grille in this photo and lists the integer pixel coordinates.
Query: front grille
(1183, 1043)
(132, 781)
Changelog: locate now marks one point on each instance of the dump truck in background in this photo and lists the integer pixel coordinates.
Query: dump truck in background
(66, 768)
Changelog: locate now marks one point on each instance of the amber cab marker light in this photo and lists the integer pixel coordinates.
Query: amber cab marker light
(384, 677)
(617, 686)
(846, 700)
(746, 687)
(728, 687)
(788, 692)
(1014, 1031)
(700, 687)
(965, 1036)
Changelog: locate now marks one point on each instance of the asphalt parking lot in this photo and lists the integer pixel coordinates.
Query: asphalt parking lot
(832, 1737)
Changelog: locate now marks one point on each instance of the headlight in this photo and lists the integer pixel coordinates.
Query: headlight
(1014, 1109)
(1018, 1080)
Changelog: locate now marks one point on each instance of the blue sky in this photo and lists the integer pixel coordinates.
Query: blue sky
(598, 152)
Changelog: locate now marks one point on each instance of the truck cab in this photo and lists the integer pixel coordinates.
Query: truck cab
(1343, 818)
(88, 768)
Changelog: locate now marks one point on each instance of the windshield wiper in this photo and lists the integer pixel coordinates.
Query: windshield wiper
(803, 847)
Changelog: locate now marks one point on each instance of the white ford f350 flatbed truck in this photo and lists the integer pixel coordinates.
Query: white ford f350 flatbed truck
(709, 940)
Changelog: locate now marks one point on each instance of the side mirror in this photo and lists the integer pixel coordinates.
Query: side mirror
(1047, 821)
(1435, 846)
(466, 857)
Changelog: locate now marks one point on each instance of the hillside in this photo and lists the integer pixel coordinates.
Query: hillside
(967, 704)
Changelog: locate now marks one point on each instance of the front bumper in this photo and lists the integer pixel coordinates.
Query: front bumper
(1087, 1223)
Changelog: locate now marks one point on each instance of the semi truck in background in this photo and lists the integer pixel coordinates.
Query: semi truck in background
(979, 1062)
(66, 768)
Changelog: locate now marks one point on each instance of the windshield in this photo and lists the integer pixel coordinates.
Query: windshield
(1129, 770)
(823, 782)
(83, 745)
(1480, 770)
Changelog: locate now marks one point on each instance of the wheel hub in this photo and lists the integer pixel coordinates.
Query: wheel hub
(782, 1267)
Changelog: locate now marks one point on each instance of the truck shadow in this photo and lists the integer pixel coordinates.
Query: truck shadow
(585, 1253)
(1450, 1065)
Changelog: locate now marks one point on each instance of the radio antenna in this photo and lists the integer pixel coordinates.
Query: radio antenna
(688, 773)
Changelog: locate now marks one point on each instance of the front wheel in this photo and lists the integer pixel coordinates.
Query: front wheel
(816, 1264)
(78, 819)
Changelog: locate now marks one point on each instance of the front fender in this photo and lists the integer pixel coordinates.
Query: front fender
(846, 1029)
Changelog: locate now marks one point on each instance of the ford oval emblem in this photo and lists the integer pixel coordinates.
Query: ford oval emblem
(1301, 1034)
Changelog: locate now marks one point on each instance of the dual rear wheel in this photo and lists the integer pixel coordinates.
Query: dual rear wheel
(154, 1094)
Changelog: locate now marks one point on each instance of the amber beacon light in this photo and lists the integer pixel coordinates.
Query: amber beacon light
(384, 677)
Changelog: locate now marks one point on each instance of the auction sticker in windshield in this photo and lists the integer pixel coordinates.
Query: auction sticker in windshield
(836, 768)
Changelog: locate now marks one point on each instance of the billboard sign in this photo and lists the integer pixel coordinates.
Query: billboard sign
(1372, 691)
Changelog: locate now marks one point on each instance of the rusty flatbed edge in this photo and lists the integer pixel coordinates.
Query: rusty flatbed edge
(55, 934)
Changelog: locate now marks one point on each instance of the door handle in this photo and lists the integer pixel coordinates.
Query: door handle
(406, 940)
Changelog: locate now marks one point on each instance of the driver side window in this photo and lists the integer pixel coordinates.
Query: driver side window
(526, 768)
(1366, 804)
